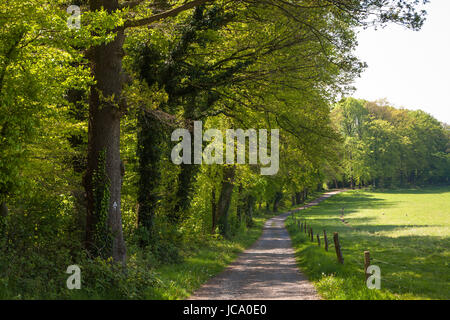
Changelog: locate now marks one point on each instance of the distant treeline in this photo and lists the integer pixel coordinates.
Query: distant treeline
(384, 146)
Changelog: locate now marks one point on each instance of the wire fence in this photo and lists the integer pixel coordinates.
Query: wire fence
(345, 254)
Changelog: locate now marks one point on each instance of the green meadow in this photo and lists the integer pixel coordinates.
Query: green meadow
(407, 233)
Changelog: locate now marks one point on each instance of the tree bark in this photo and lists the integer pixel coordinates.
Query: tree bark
(276, 202)
(104, 128)
(149, 138)
(213, 210)
(240, 205)
(249, 210)
(104, 137)
(298, 198)
(185, 184)
(3, 210)
(225, 199)
(183, 197)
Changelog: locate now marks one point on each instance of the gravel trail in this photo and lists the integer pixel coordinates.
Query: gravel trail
(267, 270)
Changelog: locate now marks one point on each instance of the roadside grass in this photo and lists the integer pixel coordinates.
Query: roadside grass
(406, 231)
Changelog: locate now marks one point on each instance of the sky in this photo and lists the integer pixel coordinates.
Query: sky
(410, 69)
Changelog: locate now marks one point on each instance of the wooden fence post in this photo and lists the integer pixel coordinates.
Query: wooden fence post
(366, 263)
(325, 239)
(311, 234)
(337, 246)
(318, 240)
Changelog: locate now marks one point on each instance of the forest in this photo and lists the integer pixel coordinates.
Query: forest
(88, 111)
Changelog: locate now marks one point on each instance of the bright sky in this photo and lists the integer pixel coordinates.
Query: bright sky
(410, 69)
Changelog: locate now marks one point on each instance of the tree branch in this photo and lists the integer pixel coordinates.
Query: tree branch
(163, 15)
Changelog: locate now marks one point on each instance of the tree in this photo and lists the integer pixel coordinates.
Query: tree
(389, 146)
(37, 66)
(350, 116)
(103, 178)
(107, 105)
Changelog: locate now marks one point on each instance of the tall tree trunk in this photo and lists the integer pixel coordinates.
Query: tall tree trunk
(3, 210)
(249, 210)
(319, 186)
(185, 185)
(185, 177)
(213, 210)
(225, 199)
(103, 175)
(304, 195)
(3, 214)
(240, 205)
(298, 198)
(149, 152)
(78, 99)
(185, 180)
(276, 202)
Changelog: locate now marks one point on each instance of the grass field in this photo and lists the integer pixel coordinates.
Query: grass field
(406, 231)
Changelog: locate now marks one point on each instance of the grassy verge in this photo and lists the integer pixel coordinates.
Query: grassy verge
(406, 231)
(202, 262)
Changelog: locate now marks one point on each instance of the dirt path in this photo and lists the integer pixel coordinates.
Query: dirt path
(267, 270)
